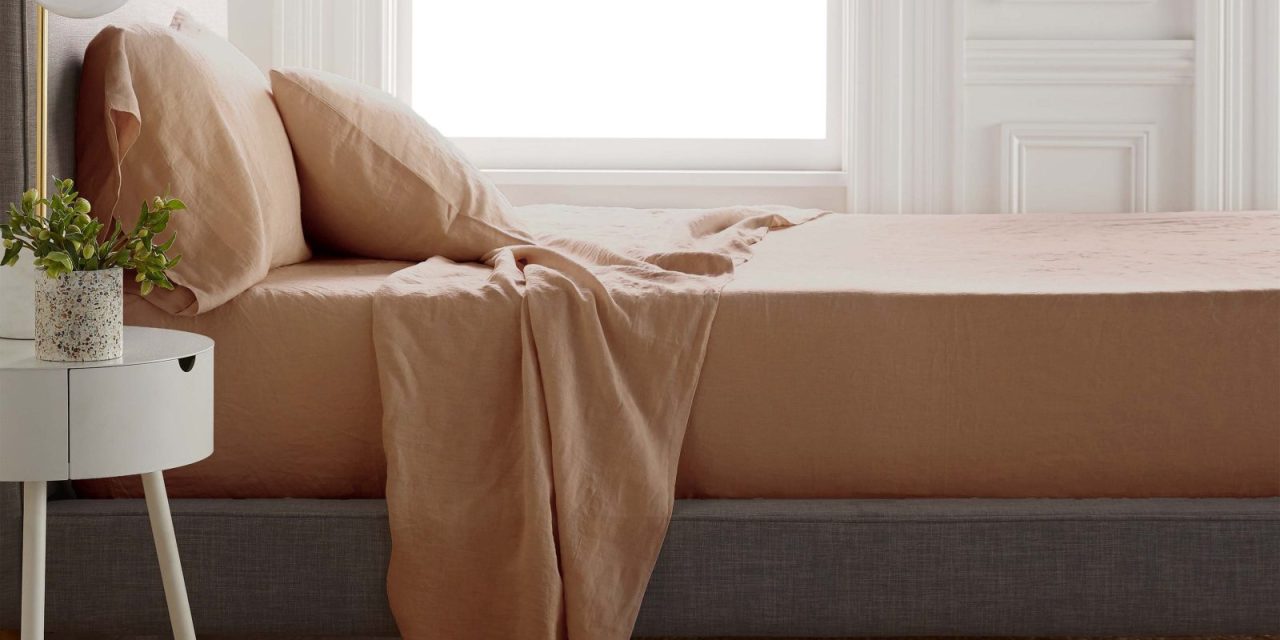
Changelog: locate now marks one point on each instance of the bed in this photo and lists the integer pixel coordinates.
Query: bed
(926, 490)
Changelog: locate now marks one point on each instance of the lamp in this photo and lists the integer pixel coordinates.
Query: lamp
(17, 283)
(82, 8)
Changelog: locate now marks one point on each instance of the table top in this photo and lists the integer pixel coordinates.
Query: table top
(142, 345)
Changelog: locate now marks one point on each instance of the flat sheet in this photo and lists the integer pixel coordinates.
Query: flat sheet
(296, 410)
(534, 410)
(1000, 356)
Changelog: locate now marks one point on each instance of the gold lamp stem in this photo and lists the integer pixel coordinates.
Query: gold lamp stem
(42, 101)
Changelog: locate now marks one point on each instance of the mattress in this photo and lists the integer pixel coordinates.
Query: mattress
(1082, 355)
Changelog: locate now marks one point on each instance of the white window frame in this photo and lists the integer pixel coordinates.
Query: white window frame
(370, 41)
(531, 160)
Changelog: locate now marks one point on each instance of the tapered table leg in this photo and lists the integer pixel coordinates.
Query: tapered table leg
(175, 587)
(35, 501)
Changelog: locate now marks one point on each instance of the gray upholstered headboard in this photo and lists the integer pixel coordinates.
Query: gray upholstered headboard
(67, 41)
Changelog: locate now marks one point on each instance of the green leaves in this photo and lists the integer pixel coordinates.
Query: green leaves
(56, 263)
(68, 239)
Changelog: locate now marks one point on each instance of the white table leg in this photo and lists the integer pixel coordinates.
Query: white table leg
(175, 587)
(35, 502)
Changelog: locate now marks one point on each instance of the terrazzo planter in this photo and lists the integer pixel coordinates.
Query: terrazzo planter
(80, 316)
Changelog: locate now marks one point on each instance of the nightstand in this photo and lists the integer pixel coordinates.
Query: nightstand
(142, 413)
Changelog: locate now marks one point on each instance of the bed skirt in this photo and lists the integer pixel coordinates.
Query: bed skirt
(729, 567)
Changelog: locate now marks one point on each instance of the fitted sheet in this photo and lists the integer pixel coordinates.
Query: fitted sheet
(1082, 355)
(1075, 355)
(297, 410)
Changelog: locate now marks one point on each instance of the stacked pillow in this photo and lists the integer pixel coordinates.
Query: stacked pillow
(181, 111)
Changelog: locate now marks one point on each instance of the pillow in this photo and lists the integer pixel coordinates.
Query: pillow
(180, 111)
(378, 181)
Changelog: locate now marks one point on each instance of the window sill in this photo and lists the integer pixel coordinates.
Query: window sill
(614, 178)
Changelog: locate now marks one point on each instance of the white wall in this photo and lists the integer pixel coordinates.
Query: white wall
(952, 106)
(250, 27)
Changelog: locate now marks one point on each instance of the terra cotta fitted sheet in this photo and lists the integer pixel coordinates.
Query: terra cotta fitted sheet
(1022, 355)
(296, 411)
(1081, 355)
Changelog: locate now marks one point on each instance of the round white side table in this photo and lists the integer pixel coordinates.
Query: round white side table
(142, 413)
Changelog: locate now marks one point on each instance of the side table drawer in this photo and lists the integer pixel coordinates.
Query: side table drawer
(33, 425)
(140, 418)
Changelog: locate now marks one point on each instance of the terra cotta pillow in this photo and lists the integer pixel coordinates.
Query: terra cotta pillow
(181, 111)
(378, 181)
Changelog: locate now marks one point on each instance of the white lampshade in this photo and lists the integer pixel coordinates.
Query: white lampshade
(82, 8)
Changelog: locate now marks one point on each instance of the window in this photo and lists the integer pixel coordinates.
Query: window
(632, 84)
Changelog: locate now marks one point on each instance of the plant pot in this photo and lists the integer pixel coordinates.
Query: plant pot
(80, 316)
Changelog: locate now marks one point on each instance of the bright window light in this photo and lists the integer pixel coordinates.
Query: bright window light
(665, 69)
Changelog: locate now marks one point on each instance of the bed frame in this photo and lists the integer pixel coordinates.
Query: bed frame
(728, 567)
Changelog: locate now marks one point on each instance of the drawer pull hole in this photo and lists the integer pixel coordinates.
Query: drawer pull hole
(188, 363)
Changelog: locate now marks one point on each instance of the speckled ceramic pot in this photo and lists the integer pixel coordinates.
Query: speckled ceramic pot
(80, 316)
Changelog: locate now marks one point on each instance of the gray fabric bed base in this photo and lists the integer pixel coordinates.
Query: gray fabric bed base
(729, 567)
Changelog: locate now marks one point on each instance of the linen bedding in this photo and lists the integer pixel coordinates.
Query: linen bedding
(535, 407)
(1075, 355)
(534, 412)
(296, 410)
(920, 356)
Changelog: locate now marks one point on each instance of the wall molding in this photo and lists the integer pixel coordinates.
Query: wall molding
(397, 38)
(1237, 104)
(905, 106)
(1080, 62)
(358, 39)
(1266, 85)
(1220, 103)
(298, 28)
(1019, 139)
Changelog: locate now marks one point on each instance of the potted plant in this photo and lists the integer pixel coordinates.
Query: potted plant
(80, 301)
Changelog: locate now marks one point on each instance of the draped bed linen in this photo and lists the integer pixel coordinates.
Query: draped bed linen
(533, 414)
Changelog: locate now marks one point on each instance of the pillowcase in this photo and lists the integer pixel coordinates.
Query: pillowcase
(182, 112)
(378, 181)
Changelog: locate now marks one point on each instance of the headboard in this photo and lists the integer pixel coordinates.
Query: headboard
(67, 41)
